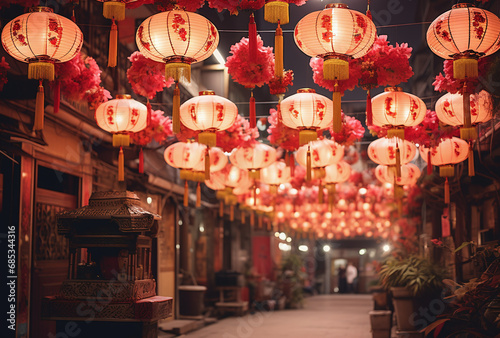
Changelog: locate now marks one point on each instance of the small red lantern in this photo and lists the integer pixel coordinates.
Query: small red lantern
(316, 155)
(308, 112)
(253, 158)
(335, 34)
(409, 174)
(335, 173)
(276, 174)
(218, 161)
(121, 117)
(396, 109)
(41, 38)
(392, 152)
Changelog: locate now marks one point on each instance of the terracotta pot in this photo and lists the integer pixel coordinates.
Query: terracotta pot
(404, 306)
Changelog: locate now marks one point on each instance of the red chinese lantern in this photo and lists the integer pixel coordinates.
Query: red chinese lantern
(178, 39)
(308, 112)
(253, 158)
(409, 174)
(218, 161)
(41, 38)
(445, 155)
(276, 174)
(239, 183)
(316, 155)
(392, 152)
(465, 33)
(335, 34)
(396, 109)
(121, 117)
(335, 173)
(186, 157)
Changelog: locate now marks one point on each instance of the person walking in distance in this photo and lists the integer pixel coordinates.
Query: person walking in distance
(351, 274)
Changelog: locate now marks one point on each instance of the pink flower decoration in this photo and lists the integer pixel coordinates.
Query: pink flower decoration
(280, 85)
(234, 6)
(186, 5)
(447, 83)
(4, 67)
(251, 74)
(146, 76)
(159, 129)
(352, 131)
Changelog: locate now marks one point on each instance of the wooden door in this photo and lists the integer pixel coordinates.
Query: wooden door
(50, 255)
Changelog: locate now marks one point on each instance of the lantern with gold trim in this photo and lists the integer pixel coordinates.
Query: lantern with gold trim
(276, 174)
(396, 109)
(253, 158)
(335, 173)
(178, 39)
(308, 112)
(465, 34)
(445, 155)
(392, 152)
(316, 155)
(121, 117)
(41, 38)
(335, 34)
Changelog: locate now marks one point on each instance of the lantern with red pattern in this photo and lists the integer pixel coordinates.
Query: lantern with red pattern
(41, 38)
(392, 152)
(121, 117)
(178, 39)
(335, 34)
(465, 34)
(253, 158)
(396, 109)
(335, 173)
(308, 112)
(276, 174)
(316, 155)
(409, 174)
(218, 161)
(445, 155)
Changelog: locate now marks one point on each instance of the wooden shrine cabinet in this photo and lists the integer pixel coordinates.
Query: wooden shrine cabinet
(109, 289)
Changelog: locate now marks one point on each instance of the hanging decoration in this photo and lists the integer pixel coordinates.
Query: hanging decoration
(185, 5)
(316, 155)
(391, 152)
(445, 155)
(445, 82)
(308, 112)
(146, 76)
(248, 72)
(465, 34)
(409, 174)
(79, 79)
(4, 67)
(334, 173)
(235, 6)
(352, 131)
(186, 157)
(276, 174)
(253, 158)
(280, 135)
(178, 39)
(41, 38)
(397, 110)
(335, 34)
(121, 117)
(279, 85)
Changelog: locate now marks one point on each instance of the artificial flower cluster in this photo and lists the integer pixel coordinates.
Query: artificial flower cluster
(146, 76)
(159, 129)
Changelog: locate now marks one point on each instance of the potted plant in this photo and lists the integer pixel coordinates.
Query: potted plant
(413, 282)
(291, 280)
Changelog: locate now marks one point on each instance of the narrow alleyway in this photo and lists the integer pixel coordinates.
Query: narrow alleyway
(322, 316)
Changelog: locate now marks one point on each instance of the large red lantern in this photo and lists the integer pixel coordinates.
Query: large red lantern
(465, 33)
(308, 112)
(316, 155)
(392, 152)
(253, 158)
(445, 155)
(178, 39)
(335, 34)
(396, 109)
(41, 38)
(121, 117)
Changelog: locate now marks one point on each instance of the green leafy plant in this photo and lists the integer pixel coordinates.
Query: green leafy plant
(291, 280)
(421, 276)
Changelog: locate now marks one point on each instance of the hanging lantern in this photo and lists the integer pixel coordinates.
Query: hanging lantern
(178, 39)
(335, 173)
(253, 158)
(218, 161)
(276, 174)
(186, 157)
(409, 174)
(308, 112)
(239, 183)
(121, 117)
(465, 33)
(41, 38)
(316, 155)
(208, 113)
(392, 152)
(216, 183)
(396, 109)
(335, 34)
(445, 155)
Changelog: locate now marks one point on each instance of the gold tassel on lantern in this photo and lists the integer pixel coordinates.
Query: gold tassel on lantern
(41, 70)
(207, 164)
(446, 191)
(307, 135)
(254, 174)
(470, 161)
(121, 140)
(320, 193)
(176, 103)
(114, 10)
(396, 132)
(308, 164)
(446, 171)
(207, 137)
(276, 12)
(186, 194)
(178, 70)
(331, 195)
(337, 109)
(467, 132)
(113, 45)
(121, 166)
(278, 52)
(198, 195)
(465, 67)
(39, 108)
(336, 68)
(398, 161)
